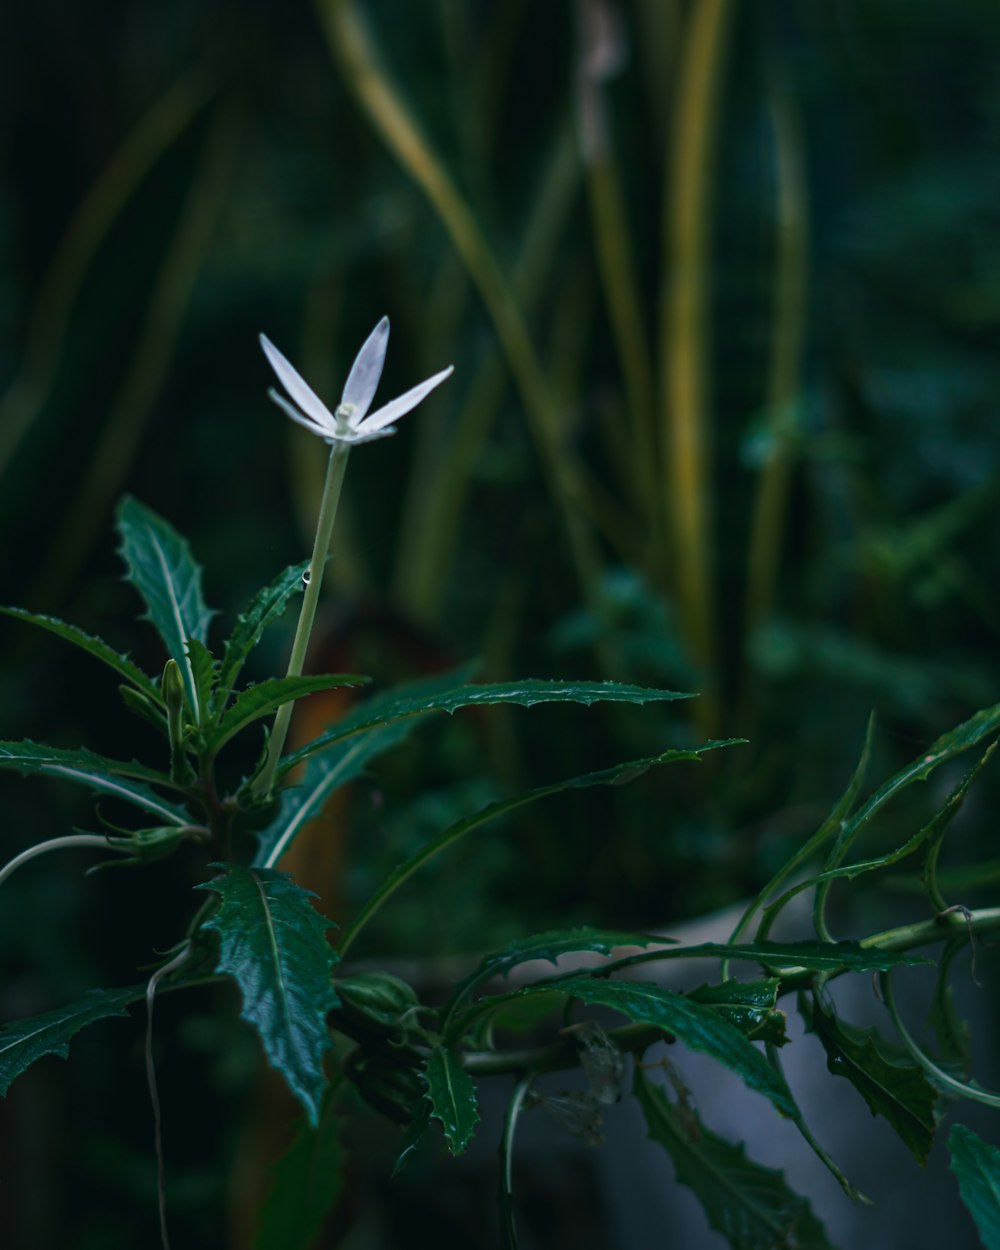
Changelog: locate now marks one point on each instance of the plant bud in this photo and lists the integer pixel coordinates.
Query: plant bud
(376, 999)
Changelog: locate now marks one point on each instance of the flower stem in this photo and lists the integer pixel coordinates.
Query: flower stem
(321, 549)
(56, 844)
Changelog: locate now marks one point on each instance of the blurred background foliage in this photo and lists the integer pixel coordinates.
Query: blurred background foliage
(720, 282)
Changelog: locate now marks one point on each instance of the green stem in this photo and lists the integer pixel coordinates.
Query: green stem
(56, 844)
(321, 549)
(964, 1089)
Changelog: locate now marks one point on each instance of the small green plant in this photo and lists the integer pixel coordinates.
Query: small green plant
(333, 1033)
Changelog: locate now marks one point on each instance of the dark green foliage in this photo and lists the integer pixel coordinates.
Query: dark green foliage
(891, 1086)
(163, 571)
(749, 1204)
(750, 1005)
(977, 1165)
(96, 647)
(114, 778)
(452, 1097)
(267, 607)
(273, 944)
(306, 1184)
(685, 1019)
(26, 1041)
(524, 693)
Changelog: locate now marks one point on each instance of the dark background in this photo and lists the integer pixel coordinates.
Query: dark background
(178, 178)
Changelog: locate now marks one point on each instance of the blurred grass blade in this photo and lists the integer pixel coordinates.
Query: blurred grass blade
(166, 121)
(784, 381)
(352, 45)
(601, 54)
(684, 333)
(158, 335)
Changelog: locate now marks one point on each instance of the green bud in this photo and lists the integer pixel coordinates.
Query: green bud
(172, 689)
(375, 1000)
(391, 1087)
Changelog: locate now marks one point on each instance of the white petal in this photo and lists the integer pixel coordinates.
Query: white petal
(362, 381)
(315, 427)
(291, 380)
(398, 407)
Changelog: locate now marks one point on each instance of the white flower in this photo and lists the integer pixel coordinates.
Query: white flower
(350, 422)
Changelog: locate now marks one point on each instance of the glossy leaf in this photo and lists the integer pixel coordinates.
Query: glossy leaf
(112, 777)
(453, 1097)
(749, 1005)
(273, 943)
(96, 647)
(750, 1205)
(618, 775)
(205, 672)
(335, 767)
(790, 957)
(551, 947)
(267, 696)
(25, 1041)
(977, 1165)
(306, 1183)
(525, 693)
(693, 1023)
(267, 606)
(162, 569)
(892, 1088)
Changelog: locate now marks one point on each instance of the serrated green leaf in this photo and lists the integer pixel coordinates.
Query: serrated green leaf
(96, 647)
(306, 1184)
(790, 957)
(204, 671)
(749, 1005)
(750, 1205)
(550, 946)
(267, 606)
(896, 1090)
(696, 1025)
(152, 713)
(341, 763)
(25, 1041)
(453, 1097)
(113, 777)
(273, 943)
(977, 1165)
(606, 777)
(267, 696)
(525, 693)
(970, 733)
(162, 569)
